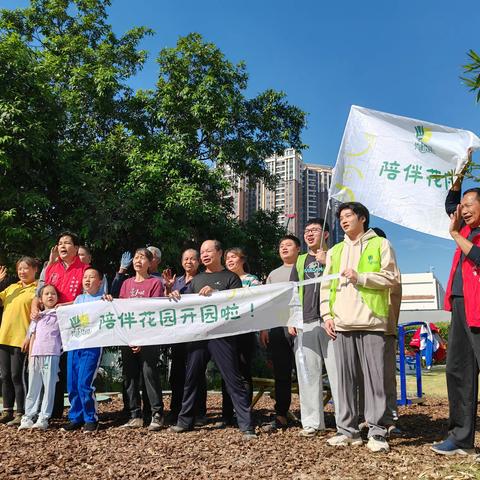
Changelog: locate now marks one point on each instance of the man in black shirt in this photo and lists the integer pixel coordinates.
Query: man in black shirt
(313, 347)
(222, 350)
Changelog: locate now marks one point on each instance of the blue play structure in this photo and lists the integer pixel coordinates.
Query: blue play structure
(402, 331)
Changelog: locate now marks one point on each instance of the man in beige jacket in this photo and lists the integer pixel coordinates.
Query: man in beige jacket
(355, 311)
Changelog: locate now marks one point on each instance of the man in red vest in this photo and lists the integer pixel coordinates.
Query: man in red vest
(462, 299)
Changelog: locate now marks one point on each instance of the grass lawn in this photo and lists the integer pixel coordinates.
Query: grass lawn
(434, 382)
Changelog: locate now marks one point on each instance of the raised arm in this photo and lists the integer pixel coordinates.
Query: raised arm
(454, 196)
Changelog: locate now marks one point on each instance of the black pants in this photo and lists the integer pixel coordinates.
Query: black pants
(146, 409)
(223, 351)
(463, 360)
(134, 364)
(11, 369)
(246, 351)
(281, 352)
(177, 382)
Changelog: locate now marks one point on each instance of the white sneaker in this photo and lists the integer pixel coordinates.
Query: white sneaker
(341, 440)
(26, 423)
(308, 432)
(132, 423)
(377, 443)
(41, 424)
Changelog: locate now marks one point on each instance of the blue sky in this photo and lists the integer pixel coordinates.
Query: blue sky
(398, 56)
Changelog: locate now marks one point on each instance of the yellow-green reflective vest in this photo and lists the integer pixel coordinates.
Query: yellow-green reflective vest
(300, 266)
(370, 261)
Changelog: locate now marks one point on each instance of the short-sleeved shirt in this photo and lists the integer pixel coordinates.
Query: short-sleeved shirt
(223, 280)
(47, 335)
(311, 296)
(182, 286)
(86, 297)
(17, 302)
(280, 274)
(150, 287)
(250, 280)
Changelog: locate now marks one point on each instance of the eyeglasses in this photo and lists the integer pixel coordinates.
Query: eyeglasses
(312, 230)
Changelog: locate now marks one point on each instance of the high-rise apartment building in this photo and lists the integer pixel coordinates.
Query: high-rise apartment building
(316, 184)
(245, 196)
(300, 194)
(287, 198)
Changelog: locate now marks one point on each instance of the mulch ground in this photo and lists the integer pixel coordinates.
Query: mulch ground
(208, 453)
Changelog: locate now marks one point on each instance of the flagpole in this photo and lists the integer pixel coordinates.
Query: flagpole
(324, 222)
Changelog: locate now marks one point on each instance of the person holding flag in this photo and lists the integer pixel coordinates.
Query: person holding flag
(313, 347)
(461, 298)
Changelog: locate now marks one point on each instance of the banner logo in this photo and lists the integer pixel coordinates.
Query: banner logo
(423, 135)
(80, 324)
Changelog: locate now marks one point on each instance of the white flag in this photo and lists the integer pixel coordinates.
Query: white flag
(386, 162)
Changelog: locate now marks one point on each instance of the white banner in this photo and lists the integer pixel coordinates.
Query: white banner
(161, 321)
(386, 162)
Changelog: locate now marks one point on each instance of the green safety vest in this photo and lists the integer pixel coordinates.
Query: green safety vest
(300, 266)
(370, 261)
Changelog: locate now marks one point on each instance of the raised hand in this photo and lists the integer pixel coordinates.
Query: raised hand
(125, 261)
(3, 273)
(53, 255)
(168, 279)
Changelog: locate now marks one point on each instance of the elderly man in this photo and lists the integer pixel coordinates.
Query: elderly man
(461, 299)
(222, 350)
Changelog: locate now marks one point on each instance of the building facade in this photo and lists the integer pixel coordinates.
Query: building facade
(287, 198)
(301, 192)
(316, 184)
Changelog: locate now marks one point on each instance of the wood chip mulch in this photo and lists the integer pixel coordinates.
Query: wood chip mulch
(209, 453)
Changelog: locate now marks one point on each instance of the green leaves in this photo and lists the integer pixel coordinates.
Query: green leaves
(473, 68)
(201, 102)
(79, 149)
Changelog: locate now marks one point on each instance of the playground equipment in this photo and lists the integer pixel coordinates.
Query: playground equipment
(403, 329)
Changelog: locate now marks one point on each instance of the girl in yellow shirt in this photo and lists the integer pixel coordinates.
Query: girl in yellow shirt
(16, 300)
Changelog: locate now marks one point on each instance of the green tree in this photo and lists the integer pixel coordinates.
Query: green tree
(261, 237)
(80, 149)
(63, 95)
(198, 123)
(472, 72)
(471, 79)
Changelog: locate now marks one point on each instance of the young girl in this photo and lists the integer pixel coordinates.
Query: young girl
(17, 301)
(44, 361)
(138, 360)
